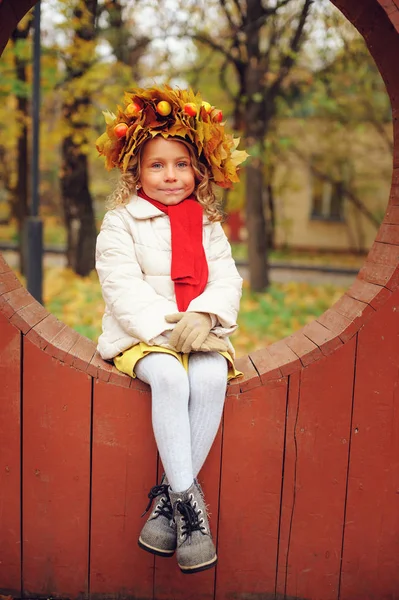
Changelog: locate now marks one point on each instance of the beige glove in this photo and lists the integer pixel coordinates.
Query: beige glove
(213, 343)
(191, 330)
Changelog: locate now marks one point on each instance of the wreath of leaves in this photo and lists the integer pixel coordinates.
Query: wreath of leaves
(215, 147)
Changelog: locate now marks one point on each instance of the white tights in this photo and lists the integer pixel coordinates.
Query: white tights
(186, 410)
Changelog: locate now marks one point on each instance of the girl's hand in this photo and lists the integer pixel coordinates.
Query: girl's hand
(213, 343)
(191, 330)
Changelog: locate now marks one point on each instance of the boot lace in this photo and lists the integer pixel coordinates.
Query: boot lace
(191, 515)
(164, 507)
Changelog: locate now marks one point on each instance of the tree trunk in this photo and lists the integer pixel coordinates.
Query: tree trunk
(268, 205)
(256, 122)
(20, 206)
(6, 172)
(77, 201)
(256, 226)
(78, 209)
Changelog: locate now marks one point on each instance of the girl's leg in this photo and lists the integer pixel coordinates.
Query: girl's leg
(207, 373)
(170, 421)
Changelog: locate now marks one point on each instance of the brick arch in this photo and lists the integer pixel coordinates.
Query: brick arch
(307, 427)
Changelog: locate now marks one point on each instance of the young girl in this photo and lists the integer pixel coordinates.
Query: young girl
(172, 294)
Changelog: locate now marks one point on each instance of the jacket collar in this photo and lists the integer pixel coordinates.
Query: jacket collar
(141, 209)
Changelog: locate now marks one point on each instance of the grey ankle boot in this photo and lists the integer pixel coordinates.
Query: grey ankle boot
(195, 549)
(158, 535)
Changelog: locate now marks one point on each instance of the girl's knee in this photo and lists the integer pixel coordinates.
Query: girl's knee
(162, 371)
(209, 369)
(173, 378)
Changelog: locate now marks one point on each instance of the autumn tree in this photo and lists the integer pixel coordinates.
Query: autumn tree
(77, 100)
(345, 100)
(82, 82)
(14, 163)
(260, 41)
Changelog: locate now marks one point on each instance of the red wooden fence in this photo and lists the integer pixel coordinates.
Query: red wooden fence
(303, 479)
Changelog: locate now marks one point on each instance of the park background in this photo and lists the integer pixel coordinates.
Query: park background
(321, 156)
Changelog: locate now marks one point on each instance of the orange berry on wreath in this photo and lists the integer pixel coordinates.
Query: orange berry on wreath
(132, 109)
(217, 115)
(190, 109)
(120, 130)
(164, 108)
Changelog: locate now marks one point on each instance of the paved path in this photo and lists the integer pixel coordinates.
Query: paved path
(284, 275)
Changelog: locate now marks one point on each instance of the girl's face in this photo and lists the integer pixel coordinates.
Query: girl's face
(166, 173)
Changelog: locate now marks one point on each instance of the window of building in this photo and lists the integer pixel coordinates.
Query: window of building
(328, 195)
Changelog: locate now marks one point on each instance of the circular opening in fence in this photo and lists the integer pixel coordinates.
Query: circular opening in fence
(378, 275)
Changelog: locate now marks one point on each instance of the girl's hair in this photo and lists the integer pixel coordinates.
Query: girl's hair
(204, 190)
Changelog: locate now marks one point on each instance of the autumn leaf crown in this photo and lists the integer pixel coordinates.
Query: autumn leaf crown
(171, 113)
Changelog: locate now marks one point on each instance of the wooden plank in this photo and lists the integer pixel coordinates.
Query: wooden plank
(253, 442)
(169, 581)
(372, 294)
(392, 215)
(99, 368)
(394, 17)
(389, 6)
(325, 339)
(371, 543)
(124, 469)
(338, 324)
(314, 489)
(4, 266)
(382, 41)
(353, 10)
(10, 459)
(266, 365)
(396, 128)
(286, 359)
(137, 384)
(8, 282)
(289, 488)
(10, 15)
(356, 311)
(61, 344)
(304, 348)
(81, 353)
(388, 234)
(394, 196)
(29, 316)
(384, 275)
(249, 380)
(15, 300)
(45, 331)
(56, 476)
(384, 254)
(119, 378)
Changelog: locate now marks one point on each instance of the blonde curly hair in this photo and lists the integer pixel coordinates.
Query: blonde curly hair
(204, 192)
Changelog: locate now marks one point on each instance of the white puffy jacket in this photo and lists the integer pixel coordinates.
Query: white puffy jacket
(133, 260)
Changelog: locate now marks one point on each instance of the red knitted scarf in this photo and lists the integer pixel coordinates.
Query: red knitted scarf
(189, 270)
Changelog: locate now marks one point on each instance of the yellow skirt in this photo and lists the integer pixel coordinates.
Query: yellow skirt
(126, 361)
